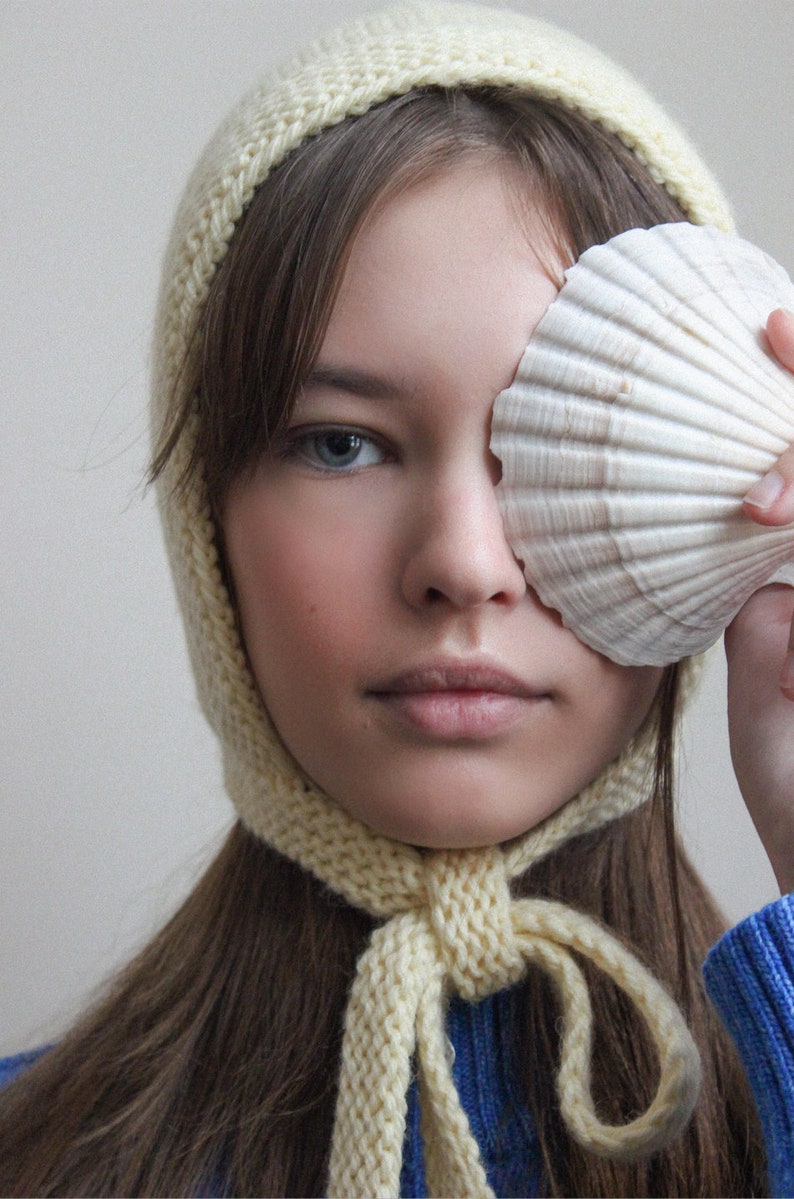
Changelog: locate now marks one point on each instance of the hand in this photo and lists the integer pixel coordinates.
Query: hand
(761, 722)
(770, 501)
(760, 639)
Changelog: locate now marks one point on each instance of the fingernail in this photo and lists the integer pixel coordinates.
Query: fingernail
(787, 675)
(763, 494)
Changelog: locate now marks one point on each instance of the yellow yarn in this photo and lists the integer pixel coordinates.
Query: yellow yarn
(469, 937)
(449, 924)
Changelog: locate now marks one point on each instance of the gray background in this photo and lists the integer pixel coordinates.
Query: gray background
(111, 796)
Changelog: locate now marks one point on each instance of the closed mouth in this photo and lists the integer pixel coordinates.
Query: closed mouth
(458, 701)
(458, 677)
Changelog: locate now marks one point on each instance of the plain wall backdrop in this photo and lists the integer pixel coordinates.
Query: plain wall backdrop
(111, 791)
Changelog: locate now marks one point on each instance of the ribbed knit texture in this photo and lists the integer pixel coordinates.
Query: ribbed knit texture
(750, 978)
(450, 926)
(482, 1041)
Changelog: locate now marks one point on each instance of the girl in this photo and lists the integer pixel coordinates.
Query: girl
(437, 953)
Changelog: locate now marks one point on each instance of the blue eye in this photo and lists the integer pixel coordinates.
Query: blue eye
(337, 449)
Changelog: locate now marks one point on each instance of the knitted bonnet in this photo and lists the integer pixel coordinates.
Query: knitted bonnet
(446, 921)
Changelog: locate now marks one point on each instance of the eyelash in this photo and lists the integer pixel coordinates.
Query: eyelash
(302, 443)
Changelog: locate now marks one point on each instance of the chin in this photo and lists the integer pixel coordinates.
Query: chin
(464, 825)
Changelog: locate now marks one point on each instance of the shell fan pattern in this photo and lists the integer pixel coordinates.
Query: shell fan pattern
(644, 407)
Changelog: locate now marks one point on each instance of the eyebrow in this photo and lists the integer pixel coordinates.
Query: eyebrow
(357, 382)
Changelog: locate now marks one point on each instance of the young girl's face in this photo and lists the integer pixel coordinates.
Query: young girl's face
(401, 656)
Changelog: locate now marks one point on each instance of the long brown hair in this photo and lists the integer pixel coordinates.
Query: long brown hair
(210, 1066)
(635, 876)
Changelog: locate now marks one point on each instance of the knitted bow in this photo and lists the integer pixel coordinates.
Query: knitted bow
(469, 936)
(451, 925)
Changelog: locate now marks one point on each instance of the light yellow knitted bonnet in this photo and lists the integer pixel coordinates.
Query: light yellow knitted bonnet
(447, 921)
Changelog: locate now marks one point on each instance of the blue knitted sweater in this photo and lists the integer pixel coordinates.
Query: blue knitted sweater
(749, 976)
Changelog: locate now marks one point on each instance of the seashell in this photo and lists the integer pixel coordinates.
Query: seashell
(644, 407)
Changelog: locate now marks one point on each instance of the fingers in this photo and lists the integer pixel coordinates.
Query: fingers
(760, 631)
(770, 501)
(761, 721)
(780, 334)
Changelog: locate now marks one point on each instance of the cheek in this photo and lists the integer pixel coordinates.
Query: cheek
(282, 583)
(628, 695)
(304, 589)
(612, 706)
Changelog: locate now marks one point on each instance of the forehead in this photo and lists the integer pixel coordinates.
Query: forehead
(444, 256)
(441, 290)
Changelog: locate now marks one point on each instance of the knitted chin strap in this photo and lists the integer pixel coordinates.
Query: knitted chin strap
(451, 926)
(447, 921)
(467, 935)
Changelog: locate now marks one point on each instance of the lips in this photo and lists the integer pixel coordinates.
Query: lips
(458, 700)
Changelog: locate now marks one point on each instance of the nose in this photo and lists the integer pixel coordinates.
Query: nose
(458, 554)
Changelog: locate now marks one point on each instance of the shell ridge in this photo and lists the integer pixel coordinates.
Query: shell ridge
(561, 516)
(538, 364)
(690, 246)
(645, 405)
(727, 350)
(758, 566)
(589, 410)
(678, 559)
(587, 417)
(642, 267)
(639, 469)
(579, 425)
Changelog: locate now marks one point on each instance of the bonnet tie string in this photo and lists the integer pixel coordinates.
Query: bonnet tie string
(467, 936)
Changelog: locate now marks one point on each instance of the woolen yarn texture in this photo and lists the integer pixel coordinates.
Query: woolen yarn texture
(448, 922)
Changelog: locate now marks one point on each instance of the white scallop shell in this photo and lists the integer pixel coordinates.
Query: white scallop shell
(644, 407)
